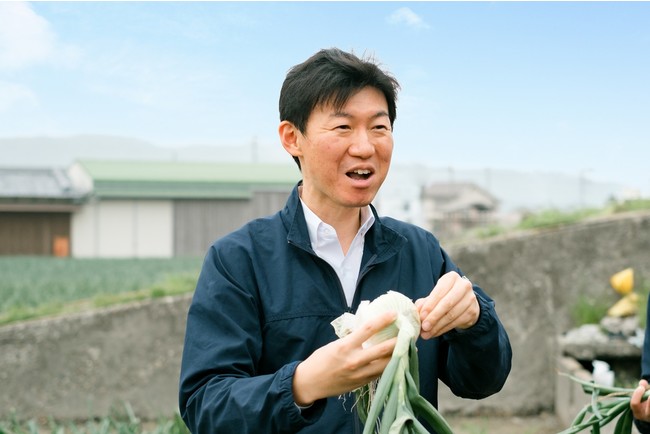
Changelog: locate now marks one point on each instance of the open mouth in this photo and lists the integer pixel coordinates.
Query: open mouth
(359, 174)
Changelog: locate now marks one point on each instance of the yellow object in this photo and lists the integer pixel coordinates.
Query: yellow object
(626, 306)
(623, 281)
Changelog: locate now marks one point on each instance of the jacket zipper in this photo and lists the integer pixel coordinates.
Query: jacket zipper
(358, 428)
(332, 273)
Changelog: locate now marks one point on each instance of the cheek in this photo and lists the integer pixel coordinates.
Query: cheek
(330, 152)
(327, 151)
(385, 151)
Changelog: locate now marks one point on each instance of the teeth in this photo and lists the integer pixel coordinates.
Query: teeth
(362, 172)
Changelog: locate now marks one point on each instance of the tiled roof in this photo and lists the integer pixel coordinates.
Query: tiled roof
(144, 179)
(36, 183)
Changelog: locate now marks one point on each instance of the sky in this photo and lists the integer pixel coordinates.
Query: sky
(531, 86)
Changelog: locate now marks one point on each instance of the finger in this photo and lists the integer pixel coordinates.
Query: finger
(641, 409)
(442, 317)
(447, 310)
(462, 313)
(370, 372)
(645, 411)
(458, 315)
(371, 362)
(635, 401)
(371, 327)
(471, 314)
(447, 283)
(380, 351)
(444, 284)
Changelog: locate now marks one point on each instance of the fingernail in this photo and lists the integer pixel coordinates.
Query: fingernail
(426, 326)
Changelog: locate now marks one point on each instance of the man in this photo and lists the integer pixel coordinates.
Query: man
(641, 409)
(260, 354)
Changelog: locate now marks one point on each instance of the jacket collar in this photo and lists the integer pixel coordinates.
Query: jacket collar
(381, 243)
(293, 219)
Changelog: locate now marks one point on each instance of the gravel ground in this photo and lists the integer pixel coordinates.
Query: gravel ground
(540, 424)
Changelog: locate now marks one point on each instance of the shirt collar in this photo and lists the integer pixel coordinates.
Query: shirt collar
(314, 222)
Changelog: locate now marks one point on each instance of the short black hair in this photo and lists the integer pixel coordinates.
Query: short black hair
(332, 76)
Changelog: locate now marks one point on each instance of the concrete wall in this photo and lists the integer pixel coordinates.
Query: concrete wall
(78, 366)
(84, 365)
(535, 280)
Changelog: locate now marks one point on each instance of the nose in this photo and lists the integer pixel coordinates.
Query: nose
(361, 145)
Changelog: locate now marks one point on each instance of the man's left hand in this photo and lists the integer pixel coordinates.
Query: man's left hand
(451, 304)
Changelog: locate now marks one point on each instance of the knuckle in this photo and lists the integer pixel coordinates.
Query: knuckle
(450, 316)
(448, 307)
(352, 364)
(369, 328)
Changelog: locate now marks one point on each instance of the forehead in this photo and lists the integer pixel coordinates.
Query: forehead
(368, 99)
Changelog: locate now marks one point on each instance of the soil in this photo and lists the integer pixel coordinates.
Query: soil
(539, 424)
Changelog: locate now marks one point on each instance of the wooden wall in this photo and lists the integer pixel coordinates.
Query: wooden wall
(32, 233)
(198, 223)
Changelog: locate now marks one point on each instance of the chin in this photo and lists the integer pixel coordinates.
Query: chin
(361, 201)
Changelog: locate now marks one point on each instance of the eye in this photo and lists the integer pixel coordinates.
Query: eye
(342, 127)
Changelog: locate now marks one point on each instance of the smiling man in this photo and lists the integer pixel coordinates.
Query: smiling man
(260, 354)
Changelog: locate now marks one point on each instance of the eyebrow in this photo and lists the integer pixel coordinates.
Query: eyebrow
(342, 114)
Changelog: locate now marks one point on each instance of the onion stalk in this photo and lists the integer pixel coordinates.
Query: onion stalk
(392, 404)
(606, 405)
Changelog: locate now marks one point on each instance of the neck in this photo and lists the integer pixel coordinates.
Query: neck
(345, 220)
(347, 229)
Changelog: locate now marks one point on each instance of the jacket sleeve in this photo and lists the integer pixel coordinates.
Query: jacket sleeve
(478, 360)
(642, 427)
(222, 388)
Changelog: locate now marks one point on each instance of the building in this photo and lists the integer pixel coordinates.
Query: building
(134, 209)
(449, 208)
(36, 208)
(163, 209)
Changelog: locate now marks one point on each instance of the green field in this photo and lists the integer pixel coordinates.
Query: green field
(122, 422)
(33, 286)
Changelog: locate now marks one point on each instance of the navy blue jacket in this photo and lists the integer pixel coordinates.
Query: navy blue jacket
(264, 302)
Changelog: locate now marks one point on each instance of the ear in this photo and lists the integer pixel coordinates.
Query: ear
(289, 136)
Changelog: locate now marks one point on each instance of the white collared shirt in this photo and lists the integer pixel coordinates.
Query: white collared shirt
(326, 245)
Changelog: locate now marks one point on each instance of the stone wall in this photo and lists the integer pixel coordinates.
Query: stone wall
(86, 365)
(83, 365)
(535, 280)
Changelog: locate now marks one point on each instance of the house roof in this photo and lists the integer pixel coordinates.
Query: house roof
(37, 189)
(169, 179)
(452, 197)
(35, 183)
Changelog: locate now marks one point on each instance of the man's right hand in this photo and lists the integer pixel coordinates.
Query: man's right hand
(343, 365)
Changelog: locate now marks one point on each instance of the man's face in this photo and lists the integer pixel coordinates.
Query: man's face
(345, 154)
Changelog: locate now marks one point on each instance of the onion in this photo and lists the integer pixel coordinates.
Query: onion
(392, 403)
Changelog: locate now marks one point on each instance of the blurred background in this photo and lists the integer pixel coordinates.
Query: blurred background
(133, 134)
